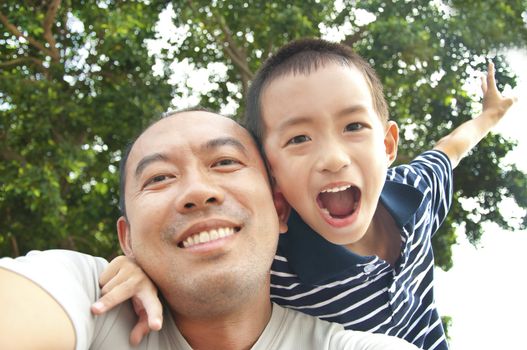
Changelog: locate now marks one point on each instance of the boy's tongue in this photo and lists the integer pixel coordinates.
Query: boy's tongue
(339, 204)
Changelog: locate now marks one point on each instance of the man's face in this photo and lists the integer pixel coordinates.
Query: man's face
(328, 149)
(201, 220)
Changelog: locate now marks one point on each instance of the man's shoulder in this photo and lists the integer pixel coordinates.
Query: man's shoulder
(47, 263)
(293, 329)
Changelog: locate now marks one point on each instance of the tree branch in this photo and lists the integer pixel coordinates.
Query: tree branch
(14, 30)
(236, 54)
(232, 51)
(14, 246)
(48, 33)
(9, 154)
(350, 40)
(21, 60)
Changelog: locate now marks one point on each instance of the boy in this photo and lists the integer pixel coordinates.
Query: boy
(358, 250)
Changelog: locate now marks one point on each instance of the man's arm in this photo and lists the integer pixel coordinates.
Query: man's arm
(30, 318)
(460, 141)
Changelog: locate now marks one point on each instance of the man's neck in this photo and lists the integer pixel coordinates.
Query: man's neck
(238, 330)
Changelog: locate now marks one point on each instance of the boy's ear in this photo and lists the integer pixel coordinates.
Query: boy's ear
(391, 141)
(123, 232)
(282, 208)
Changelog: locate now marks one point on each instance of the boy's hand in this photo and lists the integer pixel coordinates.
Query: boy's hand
(122, 280)
(493, 101)
(460, 141)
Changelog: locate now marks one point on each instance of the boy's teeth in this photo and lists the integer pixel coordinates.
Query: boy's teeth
(337, 189)
(207, 236)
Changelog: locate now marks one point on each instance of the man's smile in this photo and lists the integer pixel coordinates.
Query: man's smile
(207, 236)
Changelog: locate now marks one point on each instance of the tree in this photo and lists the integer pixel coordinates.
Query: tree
(423, 51)
(76, 84)
(71, 98)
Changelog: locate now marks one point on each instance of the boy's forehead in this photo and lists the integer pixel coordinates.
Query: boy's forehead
(346, 77)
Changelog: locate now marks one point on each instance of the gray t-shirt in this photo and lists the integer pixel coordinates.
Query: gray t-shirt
(72, 279)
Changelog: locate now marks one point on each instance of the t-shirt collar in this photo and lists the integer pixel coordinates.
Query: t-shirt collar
(315, 260)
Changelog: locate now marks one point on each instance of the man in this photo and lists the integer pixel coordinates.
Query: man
(198, 217)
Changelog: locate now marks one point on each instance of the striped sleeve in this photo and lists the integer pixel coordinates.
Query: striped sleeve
(431, 174)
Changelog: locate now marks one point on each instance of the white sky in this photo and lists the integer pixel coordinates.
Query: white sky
(484, 292)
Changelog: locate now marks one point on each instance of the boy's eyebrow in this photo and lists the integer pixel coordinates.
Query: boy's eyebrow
(343, 112)
(145, 161)
(292, 122)
(352, 110)
(224, 141)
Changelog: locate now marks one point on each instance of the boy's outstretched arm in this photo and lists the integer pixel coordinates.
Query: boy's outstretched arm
(124, 279)
(460, 141)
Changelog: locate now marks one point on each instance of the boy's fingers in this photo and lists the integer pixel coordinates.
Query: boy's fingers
(113, 283)
(139, 331)
(510, 101)
(153, 308)
(491, 81)
(111, 270)
(483, 84)
(116, 296)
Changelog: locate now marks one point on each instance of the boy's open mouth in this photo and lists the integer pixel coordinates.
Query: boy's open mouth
(339, 202)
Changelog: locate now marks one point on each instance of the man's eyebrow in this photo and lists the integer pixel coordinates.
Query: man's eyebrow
(152, 158)
(224, 141)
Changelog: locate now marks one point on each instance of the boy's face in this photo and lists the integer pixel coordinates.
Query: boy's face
(328, 149)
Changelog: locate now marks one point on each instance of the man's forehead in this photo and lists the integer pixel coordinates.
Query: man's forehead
(190, 129)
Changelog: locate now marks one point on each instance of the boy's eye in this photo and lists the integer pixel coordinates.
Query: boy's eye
(353, 127)
(298, 139)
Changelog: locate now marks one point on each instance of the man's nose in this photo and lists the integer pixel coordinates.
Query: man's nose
(332, 157)
(199, 192)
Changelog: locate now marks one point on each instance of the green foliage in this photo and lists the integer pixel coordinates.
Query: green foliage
(447, 323)
(422, 50)
(70, 99)
(76, 84)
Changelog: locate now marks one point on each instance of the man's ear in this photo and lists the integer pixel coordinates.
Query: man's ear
(282, 208)
(123, 232)
(391, 141)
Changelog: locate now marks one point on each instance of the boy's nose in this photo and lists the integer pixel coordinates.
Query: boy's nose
(199, 192)
(333, 158)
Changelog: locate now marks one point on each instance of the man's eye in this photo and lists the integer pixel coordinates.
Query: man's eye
(353, 127)
(226, 162)
(298, 139)
(156, 179)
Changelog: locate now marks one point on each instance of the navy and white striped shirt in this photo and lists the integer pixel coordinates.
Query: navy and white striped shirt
(365, 293)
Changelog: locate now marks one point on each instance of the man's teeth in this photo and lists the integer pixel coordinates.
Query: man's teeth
(337, 189)
(207, 236)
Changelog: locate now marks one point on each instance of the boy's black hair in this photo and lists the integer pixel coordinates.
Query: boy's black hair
(304, 56)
